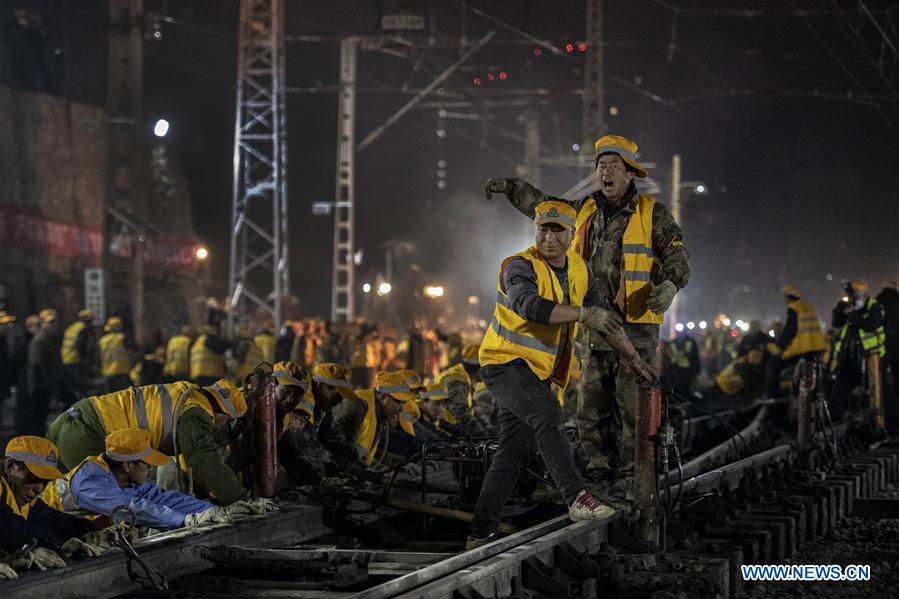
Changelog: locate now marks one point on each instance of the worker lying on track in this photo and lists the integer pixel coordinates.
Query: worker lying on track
(35, 534)
(118, 476)
(543, 292)
(358, 429)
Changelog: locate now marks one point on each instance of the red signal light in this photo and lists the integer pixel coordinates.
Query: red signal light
(476, 81)
(503, 75)
(582, 47)
(569, 47)
(537, 51)
(490, 77)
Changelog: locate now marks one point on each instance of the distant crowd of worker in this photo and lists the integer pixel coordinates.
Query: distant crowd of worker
(727, 361)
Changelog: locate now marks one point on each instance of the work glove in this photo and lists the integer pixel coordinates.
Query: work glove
(335, 483)
(213, 515)
(106, 537)
(39, 558)
(496, 185)
(642, 371)
(256, 507)
(607, 322)
(661, 296)
(7, 572)
(74, 547)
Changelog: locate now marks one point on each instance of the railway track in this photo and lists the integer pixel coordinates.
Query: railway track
(760, 508)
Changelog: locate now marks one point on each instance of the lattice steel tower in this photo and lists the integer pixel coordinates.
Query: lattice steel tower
(594, 117)
(259, 258)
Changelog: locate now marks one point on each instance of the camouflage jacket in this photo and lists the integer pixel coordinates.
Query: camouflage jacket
(605, 254)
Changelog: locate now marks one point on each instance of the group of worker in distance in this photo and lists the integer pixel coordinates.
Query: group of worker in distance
(601, 273)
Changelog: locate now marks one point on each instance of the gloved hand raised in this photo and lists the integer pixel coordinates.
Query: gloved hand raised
(607, 322)
(213, 515)
(642, 371)
(496, 185)
(661, 296)
(79, 547)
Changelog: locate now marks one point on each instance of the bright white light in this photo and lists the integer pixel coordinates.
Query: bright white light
(576, 147)
(771, 333)
(703, 324)
(700, 189)
(366, 287)
(739, 323)
(202, 253)
(845, 298)
(691, 325)
(434, 291)
(744, 327)
(161, 128)
(384, 288)
(725, 322)
(679, 327)
(472, 300)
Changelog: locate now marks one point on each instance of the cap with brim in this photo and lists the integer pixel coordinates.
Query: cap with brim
(555, 212)
(39, 455)
(393, 384)
(622, 146)
(133, 445)
(229, 397)
(307, 406)
(292, 374)
(435, 392)
(83, 314)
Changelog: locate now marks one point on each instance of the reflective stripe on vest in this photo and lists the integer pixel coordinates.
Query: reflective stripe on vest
(140, 408)
(150, 407)
(809, 337)
(636, 245)
(511, 337)
(58, 493)
(681, 357)
(69, 352)
(870, 341)
(167, 410)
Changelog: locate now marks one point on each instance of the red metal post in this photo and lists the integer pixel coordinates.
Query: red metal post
(646, 490)
(265, 440)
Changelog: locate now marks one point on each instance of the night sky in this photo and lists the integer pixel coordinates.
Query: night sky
(786, 111)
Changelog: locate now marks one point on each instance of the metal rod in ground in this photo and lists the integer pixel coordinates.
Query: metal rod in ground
(646, 492)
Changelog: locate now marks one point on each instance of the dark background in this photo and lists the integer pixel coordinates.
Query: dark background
(786, 111)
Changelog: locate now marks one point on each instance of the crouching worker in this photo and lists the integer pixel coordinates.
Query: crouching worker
(118, 477)
(34, 534)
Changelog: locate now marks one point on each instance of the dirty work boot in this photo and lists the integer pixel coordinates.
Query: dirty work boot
(588, 507)
(473, 542)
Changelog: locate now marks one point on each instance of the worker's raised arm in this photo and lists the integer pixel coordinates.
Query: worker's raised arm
(521, 194)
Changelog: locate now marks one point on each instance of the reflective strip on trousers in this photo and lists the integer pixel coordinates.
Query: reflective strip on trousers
(523, 340)
(167, 416)
(140, 409)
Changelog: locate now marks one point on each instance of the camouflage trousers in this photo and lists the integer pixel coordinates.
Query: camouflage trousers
(605, 411)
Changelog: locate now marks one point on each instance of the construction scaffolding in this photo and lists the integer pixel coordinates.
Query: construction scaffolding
(259, 258)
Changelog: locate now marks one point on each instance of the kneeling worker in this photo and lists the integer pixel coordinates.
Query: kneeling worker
(31, 463)
(117, 477)
(542, 295)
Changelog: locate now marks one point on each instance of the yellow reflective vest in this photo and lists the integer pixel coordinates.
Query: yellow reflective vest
(205, 362)
(266, 344)
(809, 337)
(115, 359)
(250, 361)
(636, 245)
(151, 408)
(510, 337)
(58, 494)
(873, 342)
(177, 357)
(367, 440)
(69, 353)
(680, 357)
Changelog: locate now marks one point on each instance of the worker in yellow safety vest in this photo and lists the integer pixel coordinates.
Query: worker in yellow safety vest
(801, 337)
(543, 293)
(265, 340)
(115, 356)
(207, 356)
(177, 356)
(76, 356)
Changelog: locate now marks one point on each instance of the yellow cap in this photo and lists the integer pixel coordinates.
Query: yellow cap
(552, 211)
(454, 373)
(859, 285)
(792, 290)
(413, 379)
(133, 445)
(393, 384)
(291, 373)
(334, 375)
(47, 315)
(113, 323)
(470, 353)
(615, 144)
(409, 416)
(435, 392)
(39, 455)
(85, 314)
(7, 319)
(229, 398)
(306, 405)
